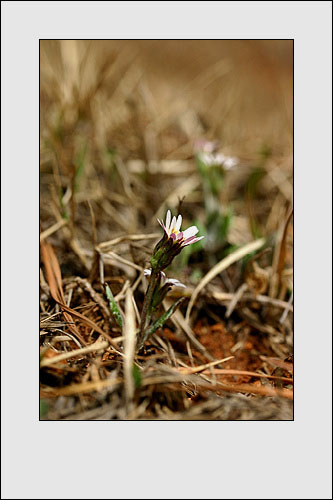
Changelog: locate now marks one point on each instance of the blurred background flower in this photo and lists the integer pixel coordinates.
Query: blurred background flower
(122, 122)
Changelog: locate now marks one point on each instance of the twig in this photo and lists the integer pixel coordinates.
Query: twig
(52, 229)
(97, 346)
(197, 369)
(84, 283)
(123, 261)
(278, 363)
(129, 348)
(85, 387)
(279, 256)
(285, 312)
(264, 299)
(80, 253)
(237, 296)
(66, 337)
(221, 266)
(189, 352)
(121, 295)
(222, 371)
(130, 237)
(262, 391)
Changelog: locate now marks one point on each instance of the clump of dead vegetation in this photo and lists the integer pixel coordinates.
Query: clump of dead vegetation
(117, 151)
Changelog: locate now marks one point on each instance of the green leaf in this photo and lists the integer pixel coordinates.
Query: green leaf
(43, 408)
(196, 275)
(136, 373)
(160, 321)
(265, 151)
(113, 306)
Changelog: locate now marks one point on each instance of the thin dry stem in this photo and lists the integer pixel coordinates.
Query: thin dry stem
(221, 266)
(98, 346)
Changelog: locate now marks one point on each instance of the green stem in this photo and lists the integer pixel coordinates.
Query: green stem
(159, 322)
(146, 303)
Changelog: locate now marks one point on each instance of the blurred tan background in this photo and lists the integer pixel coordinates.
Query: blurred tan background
(125, 114)
(241, 89)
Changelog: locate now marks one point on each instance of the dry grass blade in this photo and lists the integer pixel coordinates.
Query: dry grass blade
(197, 369)
(221, 266)
(129, 347)
(50, 230)
(285, 312)
(282, 254)
(130, 237)
(97, 346)
(53, 274)
(222, 371)
(84, 387)
(92, 325)
(175, 378)
(278, 363)
(279, 256)
(237, 296)
(249, 297)
(261, 391)
(128, 263)
(84, 283)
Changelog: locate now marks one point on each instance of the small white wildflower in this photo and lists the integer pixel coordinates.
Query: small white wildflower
(218, 159)
(209, 155)
(172, 230)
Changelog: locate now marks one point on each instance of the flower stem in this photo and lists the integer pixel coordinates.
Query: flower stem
(146, 304)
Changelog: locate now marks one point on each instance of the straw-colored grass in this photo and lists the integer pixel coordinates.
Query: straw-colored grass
(118, 125)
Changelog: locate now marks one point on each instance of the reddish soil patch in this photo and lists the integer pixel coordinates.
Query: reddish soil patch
(220, 342)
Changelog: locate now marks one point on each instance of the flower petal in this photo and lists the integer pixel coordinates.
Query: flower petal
(180, 236)
(167, 220)
(162, 224)
(191, 240)
(173, 225)
(190, 231)
(188, 241)
(175, 282)
(147, 272)
(178, 223)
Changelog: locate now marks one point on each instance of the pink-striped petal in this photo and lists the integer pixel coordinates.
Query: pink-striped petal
(188, 241)
(162, 224)
(191, 240)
